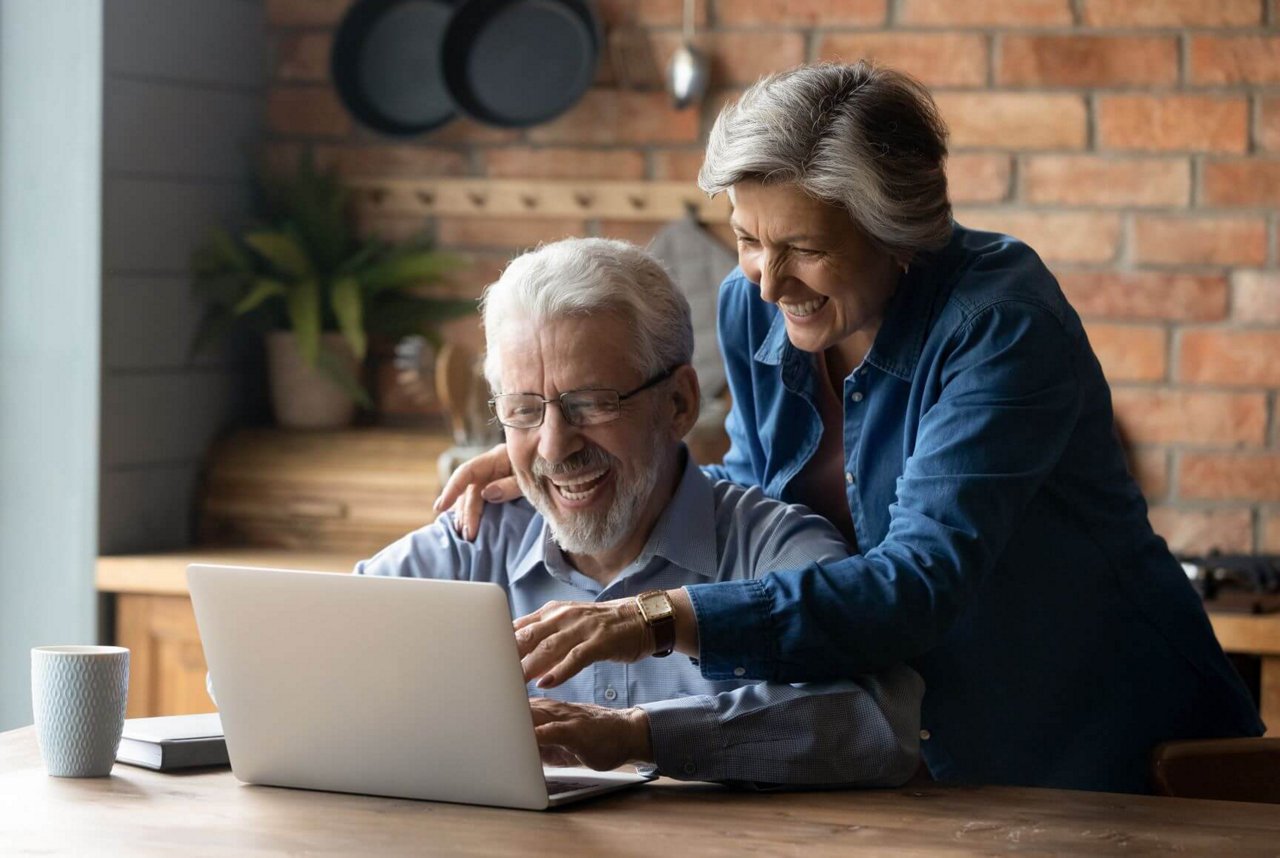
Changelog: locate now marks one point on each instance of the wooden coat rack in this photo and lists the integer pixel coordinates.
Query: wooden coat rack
(635, 201)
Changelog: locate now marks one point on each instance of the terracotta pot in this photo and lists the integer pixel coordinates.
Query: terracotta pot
(303, 397)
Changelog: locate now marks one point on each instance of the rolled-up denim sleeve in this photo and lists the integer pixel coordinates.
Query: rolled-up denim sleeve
(1008, 400)
(847, 733)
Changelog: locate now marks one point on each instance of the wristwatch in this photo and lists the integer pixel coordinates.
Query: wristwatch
(660, 615)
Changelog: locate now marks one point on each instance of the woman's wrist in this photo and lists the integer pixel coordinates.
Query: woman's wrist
(686, 622)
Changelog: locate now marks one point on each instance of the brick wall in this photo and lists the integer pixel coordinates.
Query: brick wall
(1134, 143)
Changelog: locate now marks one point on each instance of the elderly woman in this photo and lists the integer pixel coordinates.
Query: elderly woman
(928, 389)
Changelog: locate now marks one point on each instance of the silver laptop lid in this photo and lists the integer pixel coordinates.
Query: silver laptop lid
(384, 686)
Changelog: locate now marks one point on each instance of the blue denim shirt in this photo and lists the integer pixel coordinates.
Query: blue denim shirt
(1005, 551)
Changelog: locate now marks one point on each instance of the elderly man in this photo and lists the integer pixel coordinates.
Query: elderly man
(589, 351)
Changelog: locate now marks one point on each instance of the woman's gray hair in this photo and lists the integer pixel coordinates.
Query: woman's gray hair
(583, 277)
(863, 137)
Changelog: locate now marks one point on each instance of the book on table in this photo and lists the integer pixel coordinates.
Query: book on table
(173, 742)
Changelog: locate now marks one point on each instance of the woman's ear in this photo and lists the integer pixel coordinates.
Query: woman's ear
(686, 395)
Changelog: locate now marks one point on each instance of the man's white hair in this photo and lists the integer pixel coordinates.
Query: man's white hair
(584, 277)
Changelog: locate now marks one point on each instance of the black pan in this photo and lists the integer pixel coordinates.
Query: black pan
(517, 63)
(386, 64)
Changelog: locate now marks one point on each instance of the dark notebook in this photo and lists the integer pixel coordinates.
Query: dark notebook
(173, 742)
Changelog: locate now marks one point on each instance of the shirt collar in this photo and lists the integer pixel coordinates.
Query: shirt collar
(907, 319)
(684, 534)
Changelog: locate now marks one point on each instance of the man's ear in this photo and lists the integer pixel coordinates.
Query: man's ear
(686, 396)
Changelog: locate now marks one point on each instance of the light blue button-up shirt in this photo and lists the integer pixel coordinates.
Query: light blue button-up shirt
(853, 732)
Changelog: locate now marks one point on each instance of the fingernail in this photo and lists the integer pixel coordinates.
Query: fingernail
(544, 682)
(490, 493)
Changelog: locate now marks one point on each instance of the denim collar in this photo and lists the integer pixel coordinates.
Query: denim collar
(684, 534)
(907, 321)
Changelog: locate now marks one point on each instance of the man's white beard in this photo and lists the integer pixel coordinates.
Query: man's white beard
(593, 532)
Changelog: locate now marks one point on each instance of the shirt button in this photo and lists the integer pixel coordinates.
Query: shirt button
(857, 396)
(739, 671)
(690, 768)
(848, 477)
(610, 694)
(924, 735)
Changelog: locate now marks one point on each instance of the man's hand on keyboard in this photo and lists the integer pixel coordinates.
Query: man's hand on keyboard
(582, 734)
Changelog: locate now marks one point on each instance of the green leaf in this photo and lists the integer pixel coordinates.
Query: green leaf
(337, 370)
(344, 297)
(263, 288)
(411, 315)
(408, 268)
(222, 289)
(304, 313)
(362, 257)
(221, 254)
(283, 252)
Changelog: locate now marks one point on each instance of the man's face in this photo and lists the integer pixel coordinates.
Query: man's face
(593, 484)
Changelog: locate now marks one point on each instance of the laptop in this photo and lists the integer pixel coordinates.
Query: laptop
(398, 687)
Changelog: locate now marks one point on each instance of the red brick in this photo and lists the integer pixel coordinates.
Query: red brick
(1146, 295)
(306, 13)
(312, 111)
(401, 161)
(1087, 60)
(1168, 123)
(978, 178)
(1009, 120)
(1230, 356)
(304, 56)
(1150, 468)
(1130, 352)
(1269, 124)
(1056, 236)
(504, 233)
(1229, 476)
(1271, 532)
(1234, 59)
(1102, 181)
(802, 13)
(985, 13)
(1173, 416)
(1255, 296)
(648, 13)
(937, 59)
(639, 232)
(1242, 183)
(737, 58)
(672, 165)
(465, 131)
(1200, 240)
(562, 162)
(609, 116)
(1172, 13)
(1199, 531)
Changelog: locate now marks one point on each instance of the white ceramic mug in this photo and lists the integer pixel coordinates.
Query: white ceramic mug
(78, 697)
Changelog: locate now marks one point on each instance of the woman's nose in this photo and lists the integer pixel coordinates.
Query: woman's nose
(769, 276)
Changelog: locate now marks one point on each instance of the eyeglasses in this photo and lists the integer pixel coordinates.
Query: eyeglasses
(579, 407)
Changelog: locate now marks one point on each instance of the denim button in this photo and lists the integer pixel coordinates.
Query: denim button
(857, 396)
(739, 671)
(924, 735)
(848, 477)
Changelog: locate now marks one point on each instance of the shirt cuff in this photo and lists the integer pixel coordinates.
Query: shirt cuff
(685, 733)
(735, 635)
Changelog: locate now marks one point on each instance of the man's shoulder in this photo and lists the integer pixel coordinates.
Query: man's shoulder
(772, 533)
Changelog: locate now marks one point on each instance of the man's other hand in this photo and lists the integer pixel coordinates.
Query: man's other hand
(583, 734)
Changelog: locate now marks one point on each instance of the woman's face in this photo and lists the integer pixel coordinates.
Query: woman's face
(828, 279)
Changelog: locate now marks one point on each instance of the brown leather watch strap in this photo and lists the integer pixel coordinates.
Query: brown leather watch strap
(664, 626)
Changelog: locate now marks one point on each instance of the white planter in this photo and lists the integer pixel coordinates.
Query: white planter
(303, 397)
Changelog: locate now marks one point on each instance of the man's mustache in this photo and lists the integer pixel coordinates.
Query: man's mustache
(586, 459)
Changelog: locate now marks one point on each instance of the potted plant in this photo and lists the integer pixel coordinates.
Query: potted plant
(317, 291)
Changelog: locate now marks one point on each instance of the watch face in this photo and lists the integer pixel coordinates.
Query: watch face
(656, 606)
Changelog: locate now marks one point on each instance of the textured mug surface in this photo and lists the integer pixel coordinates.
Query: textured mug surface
(78, 698)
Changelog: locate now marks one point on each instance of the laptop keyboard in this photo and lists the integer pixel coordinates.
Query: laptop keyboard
(559, 786)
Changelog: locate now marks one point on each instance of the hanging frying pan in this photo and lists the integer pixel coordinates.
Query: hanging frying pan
(516, 63)
(386, 64)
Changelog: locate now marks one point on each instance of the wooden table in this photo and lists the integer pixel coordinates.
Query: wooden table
(139, 812)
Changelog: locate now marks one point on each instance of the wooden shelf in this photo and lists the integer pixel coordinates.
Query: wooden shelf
(166, 574)
(634, 201)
